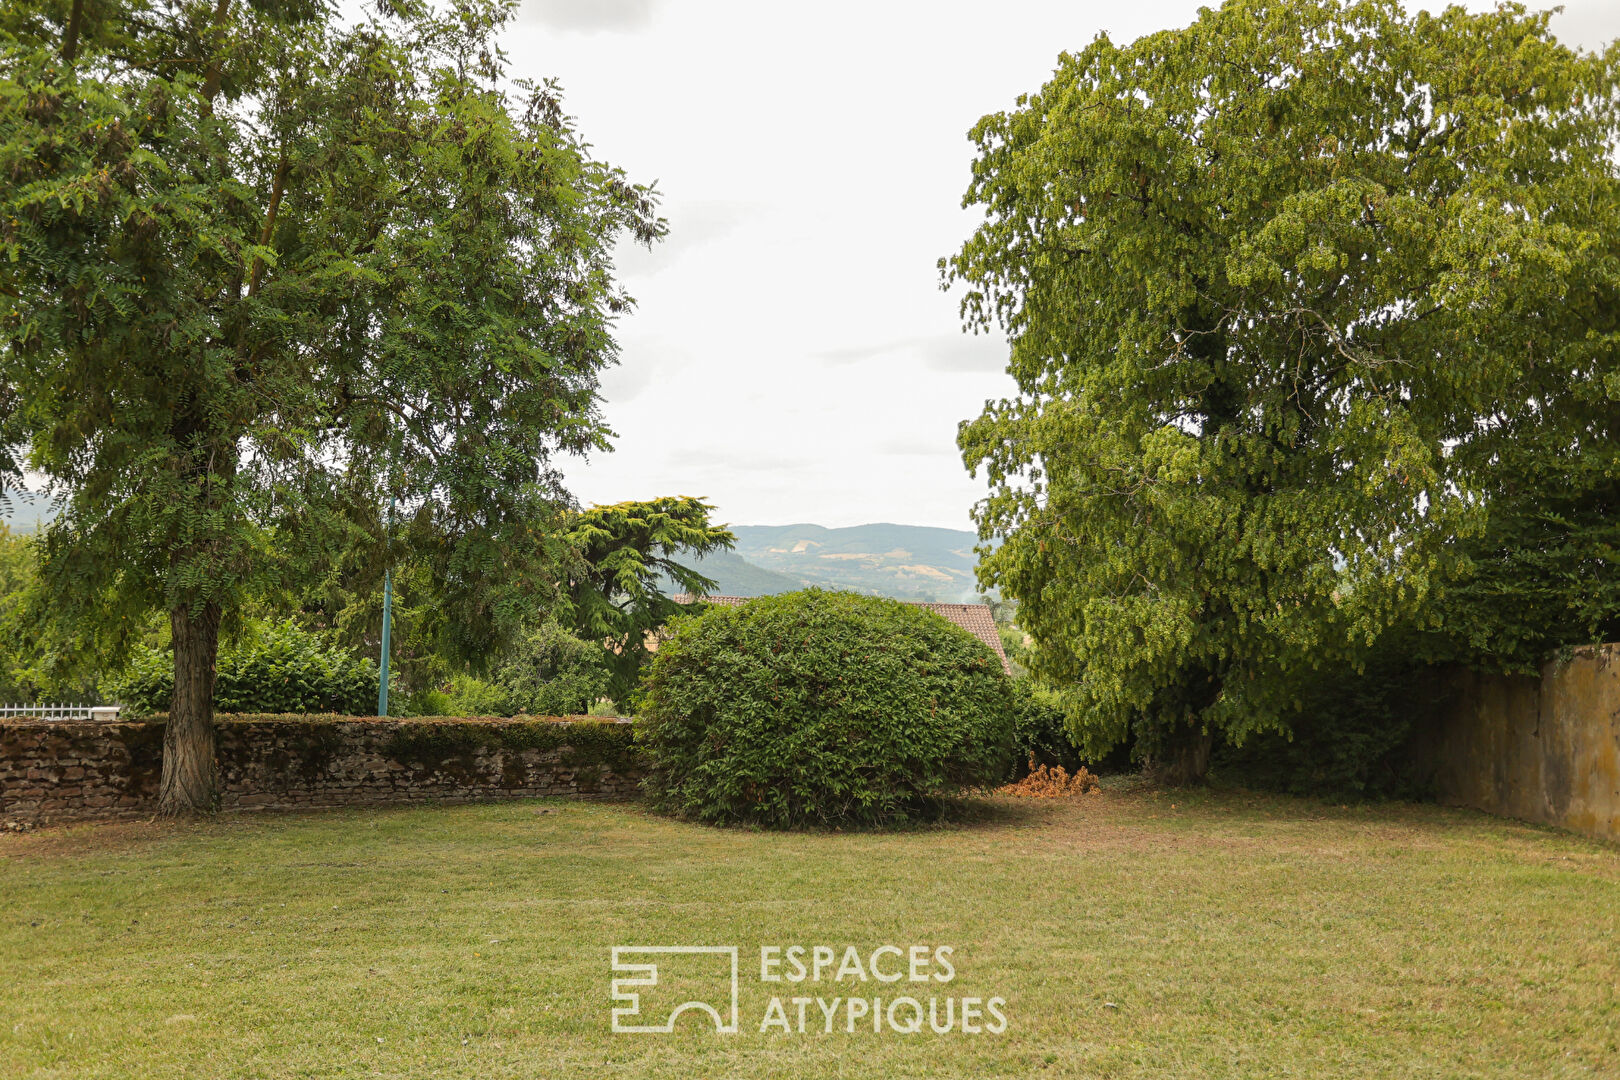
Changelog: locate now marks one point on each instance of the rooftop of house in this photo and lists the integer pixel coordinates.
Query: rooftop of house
(974, 618)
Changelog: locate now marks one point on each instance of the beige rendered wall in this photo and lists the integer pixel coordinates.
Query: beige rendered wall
(1544, 749)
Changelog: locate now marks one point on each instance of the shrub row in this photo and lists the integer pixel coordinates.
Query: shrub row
(589, 740)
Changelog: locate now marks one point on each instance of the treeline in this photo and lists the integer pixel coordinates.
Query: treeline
(578, 648)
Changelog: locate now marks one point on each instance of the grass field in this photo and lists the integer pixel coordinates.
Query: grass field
(1132, 934)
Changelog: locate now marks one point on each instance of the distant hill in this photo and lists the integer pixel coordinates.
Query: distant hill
(908, 562)
(736, 576)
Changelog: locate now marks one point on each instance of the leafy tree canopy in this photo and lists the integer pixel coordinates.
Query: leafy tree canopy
(1282, 289)
(262, 271)
(630, 550)
(41, 660)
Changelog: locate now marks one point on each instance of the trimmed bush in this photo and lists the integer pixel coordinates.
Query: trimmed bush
(820, 708)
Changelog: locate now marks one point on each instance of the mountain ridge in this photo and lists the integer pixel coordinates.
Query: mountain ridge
(907, 562)
(881, 558)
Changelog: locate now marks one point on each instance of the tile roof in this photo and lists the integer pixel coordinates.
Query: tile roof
(974, 618)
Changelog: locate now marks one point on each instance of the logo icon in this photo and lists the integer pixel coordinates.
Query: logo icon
(640, 965)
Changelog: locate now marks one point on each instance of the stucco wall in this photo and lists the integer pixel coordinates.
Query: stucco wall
(1544, 749)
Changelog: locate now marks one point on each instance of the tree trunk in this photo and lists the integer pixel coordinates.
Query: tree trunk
(1187, 762)
(70, 37)
(190, 772)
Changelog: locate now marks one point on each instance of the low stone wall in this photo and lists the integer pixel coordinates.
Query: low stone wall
(54, 771)
(1541, 749)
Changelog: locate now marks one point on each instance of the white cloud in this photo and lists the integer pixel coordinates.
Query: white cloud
(590, 15)
(1587, 24)
(861, 354)
(692, 225)
(945, 353)
(909, 446)
(642, 362)
(966, 353)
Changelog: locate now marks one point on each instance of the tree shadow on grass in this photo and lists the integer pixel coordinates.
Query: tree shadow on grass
(979, 812)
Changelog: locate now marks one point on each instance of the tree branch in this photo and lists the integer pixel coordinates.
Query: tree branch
(276, 189)
(216, 66)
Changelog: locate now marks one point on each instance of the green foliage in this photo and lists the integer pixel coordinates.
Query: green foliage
(629, 551)
(40, 660)
(1013, 639)
(1040, 730)
(460, 695)
(276, 668)
(548, 673)
(432, 742)
(588, 744)
(147, 685)
(268, 266)
(1351, 737)
(477, 697)
(21, 677)
(1545, 574)
(1285, 290)
(1013, 644)
(554, 673)
(818, 708)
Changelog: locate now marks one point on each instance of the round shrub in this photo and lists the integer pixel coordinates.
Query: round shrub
(821, 708)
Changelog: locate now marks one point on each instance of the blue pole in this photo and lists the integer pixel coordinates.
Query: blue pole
(382, 681)
(388, 611)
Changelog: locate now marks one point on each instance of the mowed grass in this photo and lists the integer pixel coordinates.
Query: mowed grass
(1132, 933)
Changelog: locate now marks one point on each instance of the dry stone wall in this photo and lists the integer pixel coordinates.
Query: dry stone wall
(53, 771)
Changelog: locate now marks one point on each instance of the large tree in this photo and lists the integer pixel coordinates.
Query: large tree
(263, 270)
(1276, 285)
(633, 558)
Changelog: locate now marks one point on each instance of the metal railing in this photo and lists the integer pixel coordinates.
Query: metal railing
(60, 712)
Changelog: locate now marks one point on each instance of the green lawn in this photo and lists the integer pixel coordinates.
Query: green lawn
(1132, 934)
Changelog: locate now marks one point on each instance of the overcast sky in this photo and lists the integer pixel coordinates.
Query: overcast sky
(792, 357)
